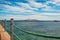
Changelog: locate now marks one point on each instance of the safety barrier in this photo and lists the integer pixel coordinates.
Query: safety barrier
(28, 32)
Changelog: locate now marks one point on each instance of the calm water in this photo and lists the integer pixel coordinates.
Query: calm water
(48, 28)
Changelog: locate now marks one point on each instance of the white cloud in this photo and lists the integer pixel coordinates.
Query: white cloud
(51, 14)
(56, 2)
(44, 6)
(26, 6)
(19, 10)
(35, 4)
(21, 17)
(47, 8)
(37, 17)
(15, 8)
(29, 8)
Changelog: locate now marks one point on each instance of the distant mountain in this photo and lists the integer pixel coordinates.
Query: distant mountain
(34, 20)
(56, 21)
(28, 20)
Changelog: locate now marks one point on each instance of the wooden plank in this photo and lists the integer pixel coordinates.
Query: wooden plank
(3, 34)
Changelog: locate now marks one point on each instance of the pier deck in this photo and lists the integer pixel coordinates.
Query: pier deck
(3, 34)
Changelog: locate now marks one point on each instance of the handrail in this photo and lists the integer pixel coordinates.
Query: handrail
(36, 34)
(16, 36)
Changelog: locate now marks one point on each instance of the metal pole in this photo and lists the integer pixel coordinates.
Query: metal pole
(2, 23)
(5, 24)
(11, 29)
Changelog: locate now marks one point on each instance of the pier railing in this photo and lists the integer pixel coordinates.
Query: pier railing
(13, 34)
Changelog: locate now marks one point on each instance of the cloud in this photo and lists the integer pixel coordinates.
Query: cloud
(26, 6)
(44, 6)
(47, 8)
(21, 17)
(30, 7)
(56, 2)
(35, 4)
(16, 8)
(31, 10)
(51, 14)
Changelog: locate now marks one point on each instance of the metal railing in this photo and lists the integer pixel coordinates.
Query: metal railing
(12, 33)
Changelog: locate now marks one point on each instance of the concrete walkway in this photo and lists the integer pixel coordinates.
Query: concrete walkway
(3, 34)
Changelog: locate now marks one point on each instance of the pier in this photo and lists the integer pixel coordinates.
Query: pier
(4, 34)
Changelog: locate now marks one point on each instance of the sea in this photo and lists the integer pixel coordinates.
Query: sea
(47, 28)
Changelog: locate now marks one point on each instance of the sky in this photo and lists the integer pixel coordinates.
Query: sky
(30, 9)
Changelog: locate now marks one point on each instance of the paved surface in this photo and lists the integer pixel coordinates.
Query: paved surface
(3, 34)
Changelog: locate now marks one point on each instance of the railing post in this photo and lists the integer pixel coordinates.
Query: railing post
(11, 29)
(2, 22)
(5, 24)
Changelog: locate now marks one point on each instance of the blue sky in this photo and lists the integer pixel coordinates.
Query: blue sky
(30, 9)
